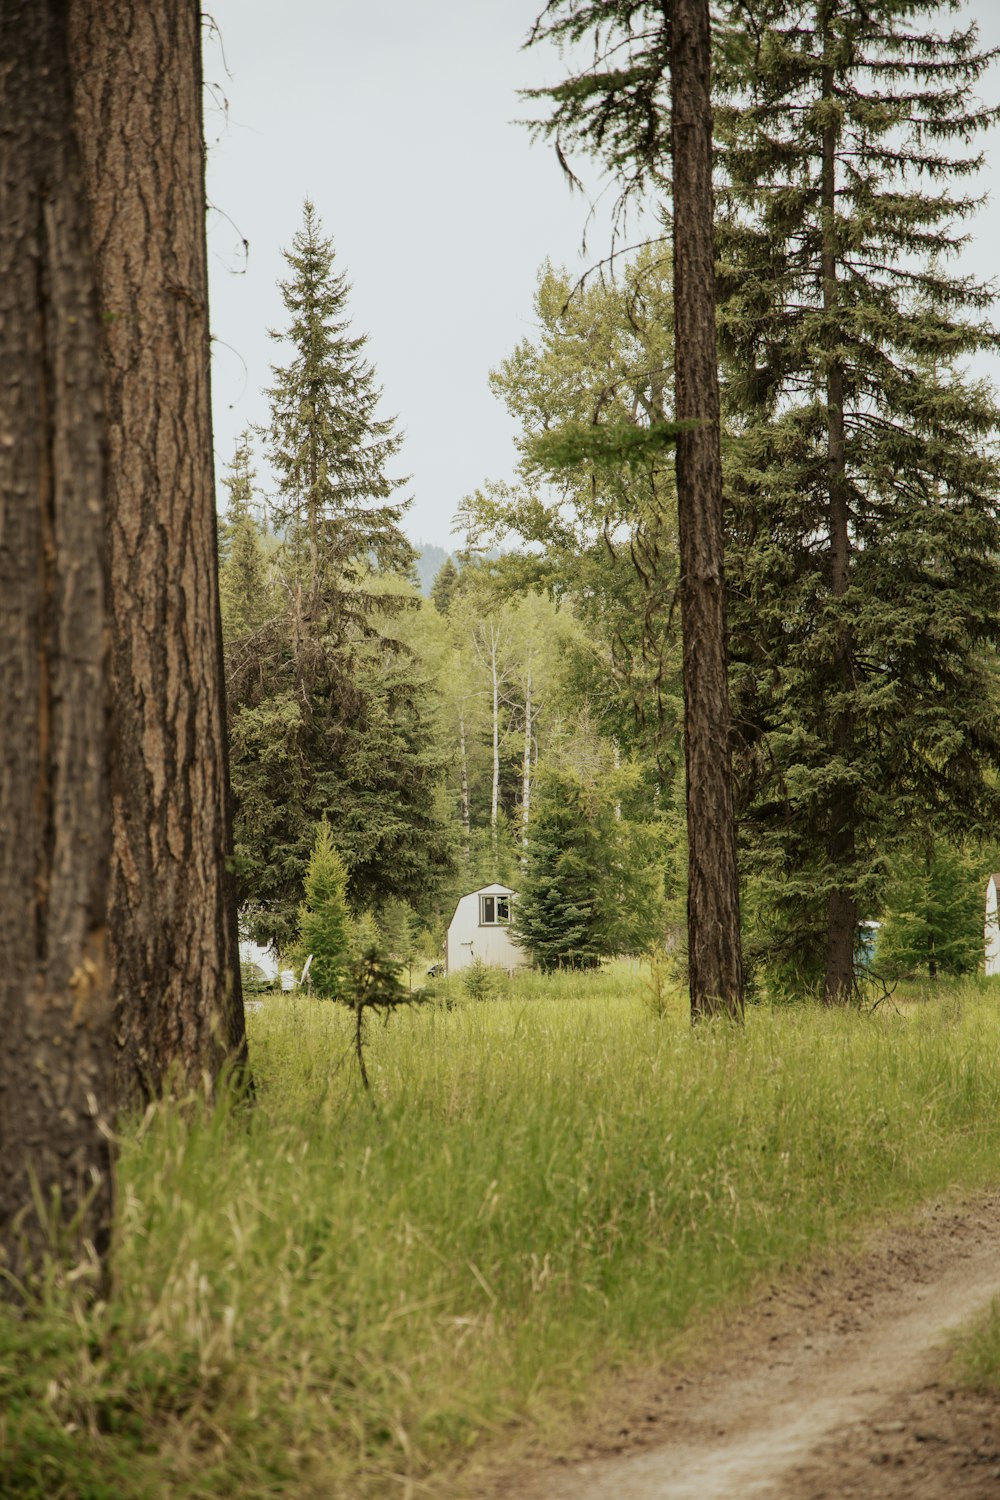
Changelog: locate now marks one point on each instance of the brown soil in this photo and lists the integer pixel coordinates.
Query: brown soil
(835, 1385)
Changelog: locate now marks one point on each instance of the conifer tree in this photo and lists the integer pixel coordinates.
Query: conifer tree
(590, 885)
(329, 714)
(866, 592)
(933, 918)
(557, 916)
(324, 917)
(243, 575)
(444, 586)
(651, 63)
(328, 448)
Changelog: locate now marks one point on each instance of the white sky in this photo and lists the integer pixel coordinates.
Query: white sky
(397, 118)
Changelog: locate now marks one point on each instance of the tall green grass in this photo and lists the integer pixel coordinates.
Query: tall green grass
(977, 1352)
(336, 1296)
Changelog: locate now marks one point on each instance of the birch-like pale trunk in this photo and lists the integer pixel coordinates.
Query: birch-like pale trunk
(464, 771)
(529, 721)
(495, 799)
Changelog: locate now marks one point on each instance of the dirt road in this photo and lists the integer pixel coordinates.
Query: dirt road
(836, 1386)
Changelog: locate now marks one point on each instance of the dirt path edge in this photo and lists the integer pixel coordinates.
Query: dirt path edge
(835, 1384)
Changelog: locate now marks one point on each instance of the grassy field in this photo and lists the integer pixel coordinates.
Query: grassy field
(337, 1296)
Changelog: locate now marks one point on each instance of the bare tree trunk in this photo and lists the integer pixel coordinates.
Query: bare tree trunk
(56, 1064)
(526, 762)
(842, 912)
(495, 794)
(715, 956)
(175, 962)
(464, 769)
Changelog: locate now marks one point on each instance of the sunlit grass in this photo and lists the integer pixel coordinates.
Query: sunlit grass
(335, 1295)
(977, 1351)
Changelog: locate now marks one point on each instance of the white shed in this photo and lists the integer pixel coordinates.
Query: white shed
(992, 932)
(480, 929)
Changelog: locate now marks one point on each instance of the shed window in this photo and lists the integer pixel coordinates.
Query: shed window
(494, 911)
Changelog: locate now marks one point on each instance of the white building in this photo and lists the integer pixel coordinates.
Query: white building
(992, 932)
(480, 929)
(264, 959)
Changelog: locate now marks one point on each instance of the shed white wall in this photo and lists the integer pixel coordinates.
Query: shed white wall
(467, 940)
(992, 929)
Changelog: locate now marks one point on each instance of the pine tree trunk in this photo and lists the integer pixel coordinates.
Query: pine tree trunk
(842, 915)
(56, 1062)
(714, 951)
(175, 962)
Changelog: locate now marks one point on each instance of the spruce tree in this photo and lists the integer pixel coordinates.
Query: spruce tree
(558, 912)
(327, 447)
(591, 884)
(865, 586)
(330, 715)
(324, 918)
(934, 914)
(445, 586)
(243, 576)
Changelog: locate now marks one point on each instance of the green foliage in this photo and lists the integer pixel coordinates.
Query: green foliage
(325, 926)
(445, 586)
(590, 886)
(865, 589)
(484, 981)
(324, 441)
(978, 1353)
(398, 924)
(595, 504)
(603, 444)
(558, 916)
(374, 984)
(551, 1184)
(331, 716)
(933, 919)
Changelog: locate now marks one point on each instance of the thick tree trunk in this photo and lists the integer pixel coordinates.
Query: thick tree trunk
(714, 950)
(842, 913)
(175, 964)
(56, 1062)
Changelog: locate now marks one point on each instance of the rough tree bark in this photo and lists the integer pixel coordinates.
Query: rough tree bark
(175, 963)
(842, 913)
(56, 1064)
(714, 950)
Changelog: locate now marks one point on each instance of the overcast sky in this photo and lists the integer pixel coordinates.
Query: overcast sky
(397, 117)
